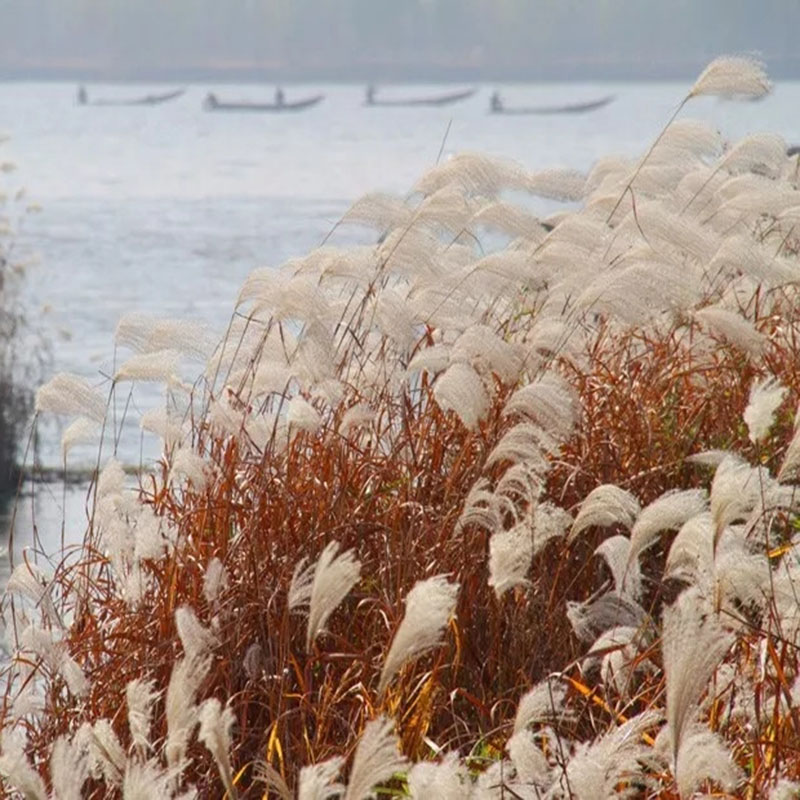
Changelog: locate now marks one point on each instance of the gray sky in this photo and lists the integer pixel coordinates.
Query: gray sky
(390, 39)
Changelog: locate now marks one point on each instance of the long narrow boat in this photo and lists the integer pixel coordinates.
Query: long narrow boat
(212, 104)
(497, 107)
(147, 100)
(436, 100)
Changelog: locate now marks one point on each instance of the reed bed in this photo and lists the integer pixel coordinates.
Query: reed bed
(442, 520)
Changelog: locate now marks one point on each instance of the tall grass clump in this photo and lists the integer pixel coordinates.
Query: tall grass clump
(442, 520)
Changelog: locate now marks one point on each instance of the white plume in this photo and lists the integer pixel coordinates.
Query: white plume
(322, 586)
(376, 759)
(429, 606)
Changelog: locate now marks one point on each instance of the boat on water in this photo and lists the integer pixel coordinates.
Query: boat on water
(147, 100)
(434, 100)
(211, 103)
(498, 107)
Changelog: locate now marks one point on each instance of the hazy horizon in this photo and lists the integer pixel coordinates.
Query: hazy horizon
(389, 40)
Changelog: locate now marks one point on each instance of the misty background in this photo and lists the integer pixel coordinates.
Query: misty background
(384, 40)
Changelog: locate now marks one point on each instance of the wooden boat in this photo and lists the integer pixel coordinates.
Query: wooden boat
(147, 100)
(212, 104)
(436, 100)
(497, 107)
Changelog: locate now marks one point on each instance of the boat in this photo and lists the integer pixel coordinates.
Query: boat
(212, 104)
(435, 100)
(498, 107)
(147, 100)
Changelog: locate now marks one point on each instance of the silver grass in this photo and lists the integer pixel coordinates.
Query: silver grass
(474, 173)
(692, 644)
(765, 398)
(606, 505)
(733, 328)
(615, 551)
(149, 539)
(667, 512)
(524, 443)
(314, 357)
(446, 209)
(738, 253)
(481, 508)
(82, 431)
(579, 231)
(543, 703)
(140, 696)
(735, 491)
(639, 291)
(556, 184)
(611, 169)
(197, 640)
(111, 481)
(431, 359)
(181, 712)
(69, 769)
(487, 353)
(302, 416)
(410, 254)
(18, 772)
(271, 377)
(395, 318)
(357, 416)
(674, 232)
(529, 761)
(376, 759)
(445, 780)
(592, 618)
(763, 153)
(704, 756)
(732, 76)
(159, 366)
(596, 769)
(511, 220)
(617, 649)
(510, 555)
(30, 581)
(460, 389)
(785, 789)
(742, 580)
(322, 586)
(71, 395)
(692, 135)
(265, 773)
(317, 782)
(549, 522)
(106, 755)
(163, 424)
(214, 580)
(691, 553)
(523, 483)
(379, 210)
(429, 606)
(146, 781)
(145, 334)
(188, 464)
(215, 734)
(550, 402)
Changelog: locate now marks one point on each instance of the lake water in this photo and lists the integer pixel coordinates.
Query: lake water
(166, 209)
